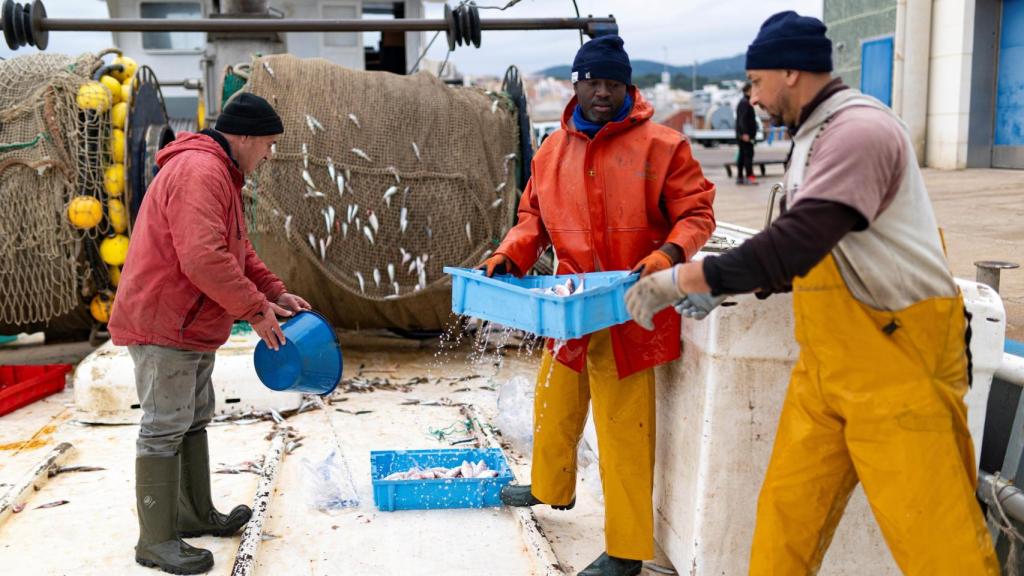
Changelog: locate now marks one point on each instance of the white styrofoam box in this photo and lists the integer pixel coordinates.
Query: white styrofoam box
(105, 393)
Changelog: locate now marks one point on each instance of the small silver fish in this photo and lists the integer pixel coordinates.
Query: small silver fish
(391, 191)
(341, 185)
(368, 233)
(469, 232)
(330, 169)
(313, 124)
(394, 172)
(350, 214)
(359, 223)
(395, 285)
(376, 277)
(416, 150)
(288, 226)
(266, 66)
(497, 203)
(500, 187)
(362, 283)
(312, 194)
(361, 154)
(405, 255)
(391, 272)
(329, 214)
(312, 241)
(273, 149)
(494, 107)
(403, 219)
(308, 179)
(373, 221)
(354, 120)
(323, 249)
(413, 266)
(344, 229)
(53, 504)
(305, 156)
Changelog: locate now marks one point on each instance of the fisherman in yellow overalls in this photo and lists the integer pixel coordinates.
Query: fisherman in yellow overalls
(877, 393)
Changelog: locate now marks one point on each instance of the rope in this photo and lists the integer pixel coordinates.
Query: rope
(23, 145)
(1008, 529)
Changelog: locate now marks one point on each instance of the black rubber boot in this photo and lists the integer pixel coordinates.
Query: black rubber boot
(606, 565)
(520, 495)
(156, 498)
(196, 514)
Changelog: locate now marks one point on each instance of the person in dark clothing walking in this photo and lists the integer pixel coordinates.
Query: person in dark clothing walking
(746, 133)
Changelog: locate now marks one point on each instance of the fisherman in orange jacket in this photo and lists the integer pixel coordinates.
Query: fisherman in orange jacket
(611, 190)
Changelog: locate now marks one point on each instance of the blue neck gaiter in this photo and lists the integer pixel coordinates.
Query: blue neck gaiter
(591, 128)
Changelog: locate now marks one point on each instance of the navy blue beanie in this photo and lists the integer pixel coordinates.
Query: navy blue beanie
(602, 58)
(789, 41)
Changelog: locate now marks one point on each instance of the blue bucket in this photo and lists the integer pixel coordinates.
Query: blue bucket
(309, 362)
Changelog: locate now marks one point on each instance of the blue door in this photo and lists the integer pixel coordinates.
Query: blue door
(1008, 149)
(876, 69)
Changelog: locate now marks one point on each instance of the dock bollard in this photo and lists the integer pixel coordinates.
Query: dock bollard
(989, 270)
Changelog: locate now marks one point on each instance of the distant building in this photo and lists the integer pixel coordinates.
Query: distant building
(951, 69)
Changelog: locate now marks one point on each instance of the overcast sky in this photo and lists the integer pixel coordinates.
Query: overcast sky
(676, 31)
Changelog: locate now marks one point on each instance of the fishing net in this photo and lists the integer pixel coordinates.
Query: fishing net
(50, 151)
(378, 182)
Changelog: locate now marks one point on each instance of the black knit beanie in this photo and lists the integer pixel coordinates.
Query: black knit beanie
(789, 41)
(602, 58)
(249, 115)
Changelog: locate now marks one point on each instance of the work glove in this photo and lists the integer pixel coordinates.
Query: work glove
(698, 305)
(654, 262)
(497, 264)
(651, 295)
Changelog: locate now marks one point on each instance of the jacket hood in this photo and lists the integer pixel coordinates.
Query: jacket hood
(189, 141)
(641, 112)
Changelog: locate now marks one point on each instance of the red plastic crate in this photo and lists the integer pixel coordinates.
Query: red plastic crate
(23, 385)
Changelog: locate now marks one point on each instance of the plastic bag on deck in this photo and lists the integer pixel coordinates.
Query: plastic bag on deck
(328, 484)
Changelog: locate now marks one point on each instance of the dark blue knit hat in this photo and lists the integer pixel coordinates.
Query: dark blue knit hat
(602, 58)
(789, 41)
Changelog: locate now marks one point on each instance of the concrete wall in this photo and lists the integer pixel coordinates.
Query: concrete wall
(851, 21)
(949, 83)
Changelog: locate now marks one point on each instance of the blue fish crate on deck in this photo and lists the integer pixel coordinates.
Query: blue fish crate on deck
(508, 300)
(440, 493)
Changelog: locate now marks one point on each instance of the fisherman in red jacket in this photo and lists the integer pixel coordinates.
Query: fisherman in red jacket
(611, 190)
(190, 273)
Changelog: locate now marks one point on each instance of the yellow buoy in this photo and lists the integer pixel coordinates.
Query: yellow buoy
(130, 66)
(114, 249)
(114, 86)
(115, 274)
(116, 145)
(126, 91)
(119, 113)
(117, 215)
(113, 180)
(85, 212)
(101, 306)
(93, 96)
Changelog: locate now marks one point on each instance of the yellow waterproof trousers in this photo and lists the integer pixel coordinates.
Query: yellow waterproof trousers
(624, 417)
(875, 397)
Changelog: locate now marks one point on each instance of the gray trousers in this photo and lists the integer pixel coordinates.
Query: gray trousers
(175, 394)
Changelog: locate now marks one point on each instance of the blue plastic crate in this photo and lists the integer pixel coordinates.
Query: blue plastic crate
(390, 495)
(508, 300)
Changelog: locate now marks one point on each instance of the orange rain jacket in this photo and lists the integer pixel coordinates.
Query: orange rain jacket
(605, 204)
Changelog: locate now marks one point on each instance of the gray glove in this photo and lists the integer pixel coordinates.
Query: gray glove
(652, 294)
(698, 305)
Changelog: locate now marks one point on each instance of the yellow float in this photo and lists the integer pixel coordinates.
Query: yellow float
(93, 96)
(113, 180)
(117, 215)
(101, 306)
(114, 249)
(114, 86)
(130, 66)
(116, 145)
(115, 275)
(85, 212)
(119, 113)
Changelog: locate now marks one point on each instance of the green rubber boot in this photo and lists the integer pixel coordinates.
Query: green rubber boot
(520, 495)
(156, 499)
(196, 514)
(606, 565)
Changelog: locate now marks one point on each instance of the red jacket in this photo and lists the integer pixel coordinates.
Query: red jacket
(605, 204)
(191, 270)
